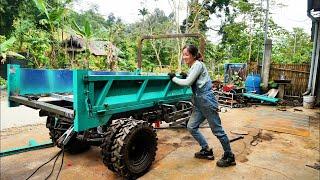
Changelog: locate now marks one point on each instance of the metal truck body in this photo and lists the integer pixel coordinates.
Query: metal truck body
(95, 96)
(113, 110)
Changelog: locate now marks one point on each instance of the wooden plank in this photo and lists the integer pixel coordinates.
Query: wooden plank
(293, 70)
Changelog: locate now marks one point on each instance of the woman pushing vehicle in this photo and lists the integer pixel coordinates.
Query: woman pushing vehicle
(205, 106)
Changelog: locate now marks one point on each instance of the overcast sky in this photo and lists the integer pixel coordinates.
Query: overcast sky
(293, 15)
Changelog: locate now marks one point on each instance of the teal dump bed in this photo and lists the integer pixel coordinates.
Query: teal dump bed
(96, 95)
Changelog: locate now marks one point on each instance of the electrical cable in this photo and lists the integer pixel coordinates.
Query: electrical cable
(45, 164)
(61, 163)
(54, 164)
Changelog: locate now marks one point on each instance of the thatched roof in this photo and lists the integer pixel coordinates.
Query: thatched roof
(96, 47)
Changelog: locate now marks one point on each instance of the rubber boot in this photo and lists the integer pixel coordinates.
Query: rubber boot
(204, 153)
(226, 160)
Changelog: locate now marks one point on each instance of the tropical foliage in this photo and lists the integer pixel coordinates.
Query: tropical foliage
(4, 49)
(39, 27)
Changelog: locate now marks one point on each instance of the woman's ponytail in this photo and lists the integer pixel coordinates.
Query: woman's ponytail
(199, 57)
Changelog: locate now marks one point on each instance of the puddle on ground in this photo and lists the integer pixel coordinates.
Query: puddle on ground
(186, 137)
(261, 136)
(265, 136)
(176, 145)
(242, 159)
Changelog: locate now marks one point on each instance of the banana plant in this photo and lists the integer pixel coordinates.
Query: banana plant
(53, 19)
(54, 15)
(87, 34)
(5, 50)
(85, 31)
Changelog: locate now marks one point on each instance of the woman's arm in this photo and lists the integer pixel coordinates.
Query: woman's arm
(192, 76)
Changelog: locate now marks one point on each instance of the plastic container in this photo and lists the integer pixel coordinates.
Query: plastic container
(252, 83)
(308, 102)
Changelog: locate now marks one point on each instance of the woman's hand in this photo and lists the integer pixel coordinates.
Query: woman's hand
(171, 75)
(183, 75)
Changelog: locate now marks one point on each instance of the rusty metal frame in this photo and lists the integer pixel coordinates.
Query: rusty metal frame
(65, 112)
(166, 36)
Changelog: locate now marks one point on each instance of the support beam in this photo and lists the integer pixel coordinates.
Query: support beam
(33, 145)
(316, 60)
(266, 63)
(65, 112)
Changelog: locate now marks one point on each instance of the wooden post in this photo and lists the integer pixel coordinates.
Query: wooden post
(266, 63)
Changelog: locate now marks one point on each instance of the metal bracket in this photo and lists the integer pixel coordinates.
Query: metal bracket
(177, 113)
(186, 102)
(66, 136)
(61, 97)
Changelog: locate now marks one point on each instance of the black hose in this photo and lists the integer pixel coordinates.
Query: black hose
(45, 164)
(60, 164)
(54, 164)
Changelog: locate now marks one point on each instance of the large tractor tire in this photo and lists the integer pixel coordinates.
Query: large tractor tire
(106, 146)
(57, 128)
(133, 149)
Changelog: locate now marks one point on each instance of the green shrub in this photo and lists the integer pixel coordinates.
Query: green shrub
(3, 82)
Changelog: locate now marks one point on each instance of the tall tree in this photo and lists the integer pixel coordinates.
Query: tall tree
(294, 47)
(200, 12)
(9, 9)
(156, 52)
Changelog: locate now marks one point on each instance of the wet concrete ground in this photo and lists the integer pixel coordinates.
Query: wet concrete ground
(276, 155)
(18, 116)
